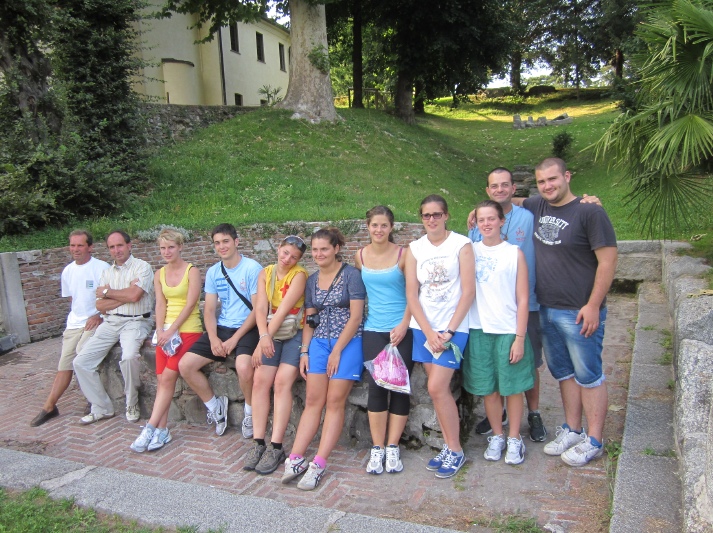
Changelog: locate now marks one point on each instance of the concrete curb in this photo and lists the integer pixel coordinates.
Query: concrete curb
(161, 502)
(647, 491)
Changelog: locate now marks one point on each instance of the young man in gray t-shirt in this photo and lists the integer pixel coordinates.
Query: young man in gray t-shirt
(575, 251)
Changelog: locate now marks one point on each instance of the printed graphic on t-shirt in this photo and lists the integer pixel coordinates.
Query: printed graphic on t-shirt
(484, 267)
(520, 235)
(549, 228)
(223, 289)
(437, 277)
(89, 284)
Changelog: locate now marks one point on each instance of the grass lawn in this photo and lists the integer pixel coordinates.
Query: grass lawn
(33, 511)
(263, 167)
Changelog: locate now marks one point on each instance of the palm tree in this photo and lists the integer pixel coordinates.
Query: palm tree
(665, 143)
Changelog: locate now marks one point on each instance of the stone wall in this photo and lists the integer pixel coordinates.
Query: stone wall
(167, 123)
(40, 270)
(692, 343)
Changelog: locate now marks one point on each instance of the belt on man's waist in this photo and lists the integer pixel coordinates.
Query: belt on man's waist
(145, 315)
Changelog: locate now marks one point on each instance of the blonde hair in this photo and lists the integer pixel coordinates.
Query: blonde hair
(172, 235)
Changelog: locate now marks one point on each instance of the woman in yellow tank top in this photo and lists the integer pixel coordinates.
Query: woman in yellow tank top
(178, 287)
(280, 293)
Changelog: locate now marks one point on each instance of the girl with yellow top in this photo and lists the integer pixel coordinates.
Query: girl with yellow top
(280, 294)
(178, 287)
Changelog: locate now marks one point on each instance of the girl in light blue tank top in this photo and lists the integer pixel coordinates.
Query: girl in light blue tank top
(381, 264)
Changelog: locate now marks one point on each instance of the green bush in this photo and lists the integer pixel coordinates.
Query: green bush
(562, 144)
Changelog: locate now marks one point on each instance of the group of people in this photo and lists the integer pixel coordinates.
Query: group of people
(528, 277)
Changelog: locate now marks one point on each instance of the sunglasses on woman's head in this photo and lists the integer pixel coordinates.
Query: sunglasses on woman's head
(295, 241)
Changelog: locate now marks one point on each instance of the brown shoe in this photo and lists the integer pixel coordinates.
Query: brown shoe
(44, 416)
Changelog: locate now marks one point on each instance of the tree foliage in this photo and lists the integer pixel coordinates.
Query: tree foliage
(664, 142)
(71, 142)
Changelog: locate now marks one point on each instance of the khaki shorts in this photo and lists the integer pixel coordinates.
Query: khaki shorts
(72, 342)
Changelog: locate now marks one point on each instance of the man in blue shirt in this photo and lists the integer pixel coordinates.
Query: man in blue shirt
(518, 229)
(233, 283)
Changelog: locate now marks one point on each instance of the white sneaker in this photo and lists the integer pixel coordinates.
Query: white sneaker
(161, 437)
(516, 451)
(143, 440)
(248, 427)
(220, 415)
(496, 445)
(565, 439)
(582, 453)
(311, 478)
(133, 413)
(393, 459)
(293, 468)
(376, 461)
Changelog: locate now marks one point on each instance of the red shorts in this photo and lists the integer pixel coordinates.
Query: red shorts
(164, 361)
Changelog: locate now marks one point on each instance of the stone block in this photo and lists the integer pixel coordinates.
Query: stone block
(694, 319)
(359, 394)
(638, 267)
(693, 395)
(224, 382)
(194, 411)
(697, 508)
(236, 413)
(639, 247)
(657, 478)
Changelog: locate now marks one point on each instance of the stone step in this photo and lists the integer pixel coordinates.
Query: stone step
(647, 491)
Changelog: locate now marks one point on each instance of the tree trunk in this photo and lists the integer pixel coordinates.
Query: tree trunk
(357, 58)
(27, 73)
(309, 94)
(516, 71)
(404, 98)
(619, 63)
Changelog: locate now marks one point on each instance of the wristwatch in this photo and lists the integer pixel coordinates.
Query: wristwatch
(450, 331)
(104, 292)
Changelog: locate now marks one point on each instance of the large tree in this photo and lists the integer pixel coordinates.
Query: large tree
(664, 144)
(574, 36)
(309, 93)
(530, 23)
(441, 47)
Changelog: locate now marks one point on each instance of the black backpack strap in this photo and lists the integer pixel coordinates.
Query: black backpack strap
(247, 302)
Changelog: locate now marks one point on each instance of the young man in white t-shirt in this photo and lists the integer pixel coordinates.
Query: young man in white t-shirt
(79, 281)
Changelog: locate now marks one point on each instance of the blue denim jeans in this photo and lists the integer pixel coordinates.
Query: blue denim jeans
(568, 352)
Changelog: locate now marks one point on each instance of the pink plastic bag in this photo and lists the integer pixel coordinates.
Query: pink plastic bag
(389, 370)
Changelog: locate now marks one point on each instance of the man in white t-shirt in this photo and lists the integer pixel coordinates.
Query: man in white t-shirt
(80, 278)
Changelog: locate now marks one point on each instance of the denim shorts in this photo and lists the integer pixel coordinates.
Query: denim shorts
(568, 352)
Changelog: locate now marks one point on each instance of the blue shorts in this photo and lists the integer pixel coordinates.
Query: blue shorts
(421, 354)
(568, 352)
(351, 364)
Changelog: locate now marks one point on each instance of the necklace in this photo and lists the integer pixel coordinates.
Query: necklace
(505, 235)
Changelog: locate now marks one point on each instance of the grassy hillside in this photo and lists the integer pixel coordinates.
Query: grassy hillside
(264, 167)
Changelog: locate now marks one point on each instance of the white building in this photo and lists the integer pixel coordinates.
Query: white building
(230, 69)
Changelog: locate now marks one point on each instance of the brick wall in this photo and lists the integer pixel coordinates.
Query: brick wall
(40, 270)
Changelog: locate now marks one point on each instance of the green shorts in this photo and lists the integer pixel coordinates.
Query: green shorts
(486, 367)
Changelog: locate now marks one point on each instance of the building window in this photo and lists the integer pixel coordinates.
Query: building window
(234, 44)
(238, 99)
(260, 46)
(282, 57)
(263, 102)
